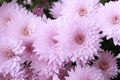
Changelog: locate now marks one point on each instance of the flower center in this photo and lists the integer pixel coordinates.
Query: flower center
(52, 38)
(54, 41)
(82, 12)
(79, 39)
(104, 65)
(26, 31)
(6, 20)
(9, 54)
(115, 20)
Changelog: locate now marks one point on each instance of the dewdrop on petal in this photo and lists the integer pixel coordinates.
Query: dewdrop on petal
(107, 64)
(85, 73)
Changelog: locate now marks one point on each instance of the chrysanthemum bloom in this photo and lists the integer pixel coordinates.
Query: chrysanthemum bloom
(24, 29)
(85, 73)
(9, 13)
(78, 41)
(80, 8)
(16, 19)
(109, 17)
(107, 64)
(55, 11)
(44, 67)
(10, 52)
(47, 49)
(45, 43)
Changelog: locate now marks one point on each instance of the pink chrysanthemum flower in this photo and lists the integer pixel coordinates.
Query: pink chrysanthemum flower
(107, 64)
(56, 9)
(9, 13)
(24, 32)
(46, 44)
(81, 8)
(24, 29)
(10, 52)
(78, 40)
(44, 67)
(16, 19)
(109, 17)
(85, 73)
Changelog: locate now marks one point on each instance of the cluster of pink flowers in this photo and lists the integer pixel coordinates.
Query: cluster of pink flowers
(34, 47)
